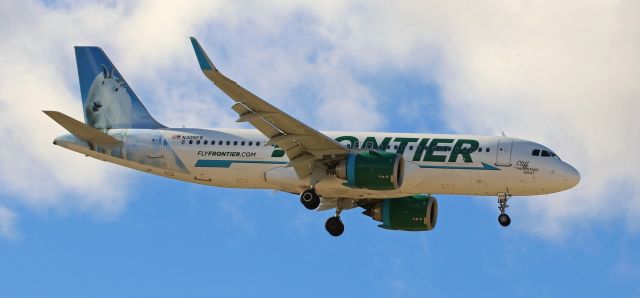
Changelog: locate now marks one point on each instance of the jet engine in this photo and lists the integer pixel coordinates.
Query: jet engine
(415, 213)
(372, 170)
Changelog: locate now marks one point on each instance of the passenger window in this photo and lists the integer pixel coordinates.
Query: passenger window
(545, 153)
(410, 147)
(213, 142)
(228, 143)
(242, 143)
(250, 143)
(235, 143)
(536, 152)
(198, 142)
(205, 142)
(190, 142)
(480, 149)
(488, 149)
(349, 146)
(257, 143)
(395, 147)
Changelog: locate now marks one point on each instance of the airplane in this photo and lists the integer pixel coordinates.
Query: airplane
(391, 176)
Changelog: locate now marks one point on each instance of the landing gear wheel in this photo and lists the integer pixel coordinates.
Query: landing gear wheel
(504, 219)
(310, 199)
(334, 226)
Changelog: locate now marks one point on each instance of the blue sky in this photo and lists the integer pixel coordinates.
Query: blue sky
(75, 227)
(176, 239)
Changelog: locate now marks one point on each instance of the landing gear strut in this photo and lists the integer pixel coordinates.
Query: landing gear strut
(310, 199)
(334, 224)
(503, 218)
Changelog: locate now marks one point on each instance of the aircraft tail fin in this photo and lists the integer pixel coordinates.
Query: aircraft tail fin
(107, 100)
(83, 131)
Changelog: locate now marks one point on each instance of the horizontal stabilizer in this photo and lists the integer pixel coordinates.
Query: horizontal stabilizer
(83, 131)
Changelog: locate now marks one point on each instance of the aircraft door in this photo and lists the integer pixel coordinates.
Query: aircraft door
(155, 145)
(503, 157)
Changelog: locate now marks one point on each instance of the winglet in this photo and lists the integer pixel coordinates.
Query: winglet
(203, 59)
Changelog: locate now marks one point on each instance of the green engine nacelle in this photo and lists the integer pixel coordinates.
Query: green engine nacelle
(415, 213)
(377, 170)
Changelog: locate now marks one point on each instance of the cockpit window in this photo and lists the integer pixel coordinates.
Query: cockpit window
(545, 153)
(536, 152)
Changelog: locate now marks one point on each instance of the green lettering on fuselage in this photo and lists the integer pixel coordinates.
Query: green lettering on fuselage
(353, 140)
(465, 152)
(433, 146)
(462, 147)
(403, 143)
(420, 149)
(372, 143)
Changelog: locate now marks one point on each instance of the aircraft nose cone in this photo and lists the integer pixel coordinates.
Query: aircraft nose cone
(571, 176)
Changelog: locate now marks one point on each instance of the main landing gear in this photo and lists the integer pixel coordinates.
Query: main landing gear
(310, 199)
(334, 224)
(503, 218)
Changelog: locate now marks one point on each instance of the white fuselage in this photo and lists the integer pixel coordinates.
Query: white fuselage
(239, 158)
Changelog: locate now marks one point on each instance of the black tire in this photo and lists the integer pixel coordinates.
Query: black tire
(334, 226)
(310, 199)
(504, 220)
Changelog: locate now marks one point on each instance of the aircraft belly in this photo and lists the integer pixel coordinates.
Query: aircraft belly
(507, 179)
(237, 176)
(446, 181)
(333, 187)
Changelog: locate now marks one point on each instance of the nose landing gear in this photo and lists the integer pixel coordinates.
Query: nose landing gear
(503, 218)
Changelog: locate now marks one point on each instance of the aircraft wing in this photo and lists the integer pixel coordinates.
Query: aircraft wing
(303, 144)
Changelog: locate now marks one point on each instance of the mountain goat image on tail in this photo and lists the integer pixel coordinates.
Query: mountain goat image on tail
(108, 103)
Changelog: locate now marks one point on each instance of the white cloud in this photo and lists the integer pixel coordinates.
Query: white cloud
(564, 74)
(8, 223)
(148, 41)
(39, 73)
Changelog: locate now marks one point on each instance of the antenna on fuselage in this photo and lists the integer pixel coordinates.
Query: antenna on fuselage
(503, 134)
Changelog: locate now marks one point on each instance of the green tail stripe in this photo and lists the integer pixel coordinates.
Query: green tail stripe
(227, 163)
(484, 167)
